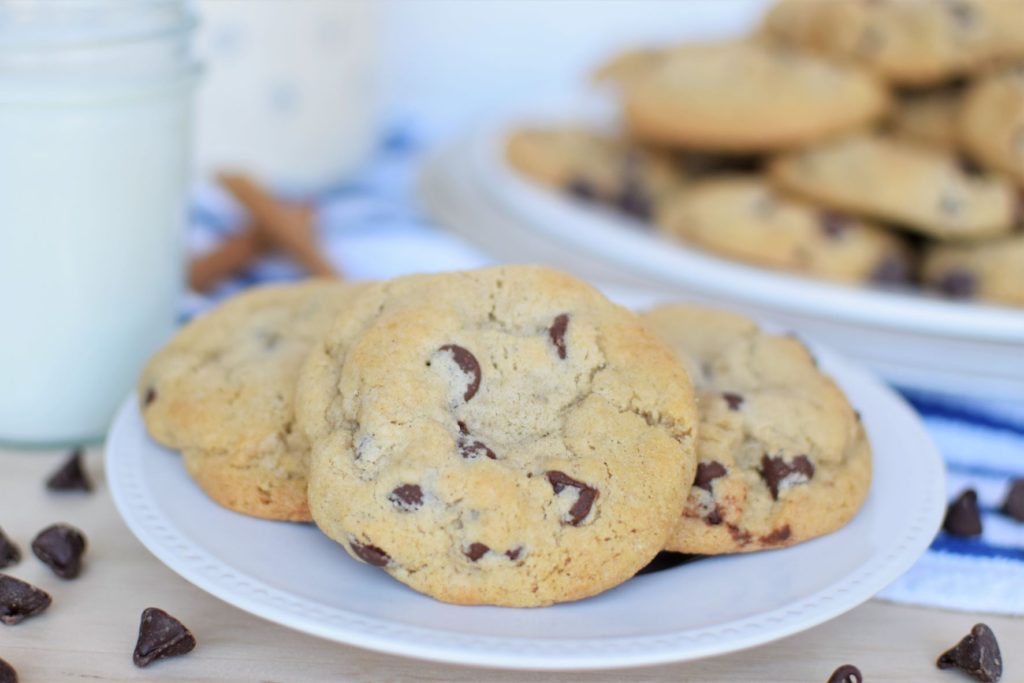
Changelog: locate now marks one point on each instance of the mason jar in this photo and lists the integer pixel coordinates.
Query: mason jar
(95, 119)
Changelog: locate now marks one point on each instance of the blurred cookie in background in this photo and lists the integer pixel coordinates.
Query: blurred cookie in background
(988, 271)
(992, 124)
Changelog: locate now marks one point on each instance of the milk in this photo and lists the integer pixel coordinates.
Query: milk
(93, 168)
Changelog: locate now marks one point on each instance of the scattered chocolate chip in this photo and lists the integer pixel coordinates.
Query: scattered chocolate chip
(962, 516)
(777, 473)
(581, 188)
(833, 224)
(476, 551)
(1013, 506)
(9, 552)
(468, 364)
(707, 472)
(7, 673)
(667, 560)
(587, 495)
(977, 655)
(557, 333)
(733, 400)
(779, 535)
(958, 284)
(634, 201)
(149, 397)
(470, 448)
(20, 600)
(739, 535)
(161, 636)
(370, 554)
(514, 553)
(60, 547)
(891, 270)
(70, 476)
(407, 497)
(847, 673)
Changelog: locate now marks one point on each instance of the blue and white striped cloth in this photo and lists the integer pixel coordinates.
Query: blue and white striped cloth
(371, 229)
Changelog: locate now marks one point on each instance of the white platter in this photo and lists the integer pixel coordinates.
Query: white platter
(292, 575)
(911, 339)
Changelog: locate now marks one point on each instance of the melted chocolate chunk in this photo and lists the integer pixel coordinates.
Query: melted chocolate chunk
(847, 673)
(833, 224)
(60, 547)
(581, 188)
(476, 551)
(514, 553)
(9, 552)
(734, 401)
(71, 476)
(585, 500)
(161, 636)
(958, 284)
(707, 472)
(714, 517)
(557, 333)
(470, 448)
(7, 673)
(149, 397)
(977, 655)
(1013, 506)
(962, 516)
(468, 364)
(407, 497)
(20, 600)
(776, 471)
(779, 535)
(370, 554)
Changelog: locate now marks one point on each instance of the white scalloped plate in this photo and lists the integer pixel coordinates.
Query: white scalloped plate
(292, 575)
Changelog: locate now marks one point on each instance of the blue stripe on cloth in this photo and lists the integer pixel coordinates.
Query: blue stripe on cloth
(931, 407)
(982, 470)
(975, 548)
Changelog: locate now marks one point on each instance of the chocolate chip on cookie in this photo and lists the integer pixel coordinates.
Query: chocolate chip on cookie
(847, 673)
(60, 547)
(20, 600)
(585, 496)
(733, 399)
(71, 475)
(963, 517)
(10, 553)
(707, 472)
(469, 366)
(370, 554)
(1013, 506)
(557, 333)
(977, 655)
(161, 636)
(476, 550)
(780, 475)
(407, 497)
(471, 448)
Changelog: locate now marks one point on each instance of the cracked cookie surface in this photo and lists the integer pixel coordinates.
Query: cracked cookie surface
(502, 436)
(782, 456)
(222, 392)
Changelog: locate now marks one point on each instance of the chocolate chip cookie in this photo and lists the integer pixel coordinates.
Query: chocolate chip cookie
(922, 190)
(222, 392)
(910, 42)
(782, 456)
(987, 271)
(744, 218)
(748, 97)
(595, 166)
(992, 125)
(503, 436)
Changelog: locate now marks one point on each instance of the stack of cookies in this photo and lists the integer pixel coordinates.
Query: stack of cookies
(875, 143)
(506, 436)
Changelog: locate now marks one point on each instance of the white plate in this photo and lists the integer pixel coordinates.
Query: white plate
(912, 339)
(292, 575)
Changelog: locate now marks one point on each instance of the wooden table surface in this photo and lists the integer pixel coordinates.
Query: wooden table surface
(89, 631)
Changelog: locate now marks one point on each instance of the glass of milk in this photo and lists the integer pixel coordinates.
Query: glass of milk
(95, 100)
